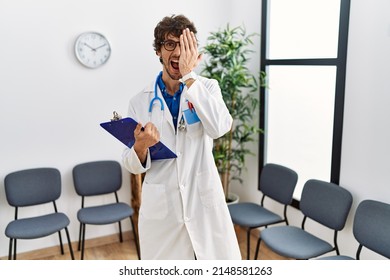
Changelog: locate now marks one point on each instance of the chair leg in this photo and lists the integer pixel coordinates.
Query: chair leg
(11, 241)
(248, 243)
(120, 232)
(257, 248)
(82, 241)
(135, 238)
(358, 251)
(61, 245)
(78, 247)
(15, 248)
(69, 243)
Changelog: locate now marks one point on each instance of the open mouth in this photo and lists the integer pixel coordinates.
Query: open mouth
(175, 65)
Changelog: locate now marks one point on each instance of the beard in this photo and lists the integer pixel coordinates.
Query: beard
(172, 68)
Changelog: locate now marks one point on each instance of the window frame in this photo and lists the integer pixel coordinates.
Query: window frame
(340, 62)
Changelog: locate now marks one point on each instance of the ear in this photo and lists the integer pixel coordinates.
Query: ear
(158, 53)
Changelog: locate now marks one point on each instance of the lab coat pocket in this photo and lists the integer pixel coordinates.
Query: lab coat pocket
(194, 130)
(194, 125)
(154, 204)
(209, 188)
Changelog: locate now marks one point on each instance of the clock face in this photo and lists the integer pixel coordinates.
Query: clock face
(92, 49)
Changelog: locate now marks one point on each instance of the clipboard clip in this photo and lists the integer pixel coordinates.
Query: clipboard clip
(116, 116)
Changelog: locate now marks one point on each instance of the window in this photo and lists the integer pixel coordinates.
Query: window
(303, 49)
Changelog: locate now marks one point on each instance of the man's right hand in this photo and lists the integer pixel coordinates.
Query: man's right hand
(144, 138)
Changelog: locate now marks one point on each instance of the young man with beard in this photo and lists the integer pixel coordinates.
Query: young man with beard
(183, 213)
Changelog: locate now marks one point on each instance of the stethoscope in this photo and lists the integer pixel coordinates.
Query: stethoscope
(156, 98)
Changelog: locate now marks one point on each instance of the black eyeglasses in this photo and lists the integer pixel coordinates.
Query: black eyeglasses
(170, 45)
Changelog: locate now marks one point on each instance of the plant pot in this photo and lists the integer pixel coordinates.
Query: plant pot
(232, 198)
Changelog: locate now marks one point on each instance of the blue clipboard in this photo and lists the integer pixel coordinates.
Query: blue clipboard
(123, 130)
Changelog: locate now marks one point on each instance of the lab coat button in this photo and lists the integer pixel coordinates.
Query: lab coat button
(186, 219)
(181, 187)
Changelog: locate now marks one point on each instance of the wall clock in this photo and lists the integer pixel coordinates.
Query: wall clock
(92, 49)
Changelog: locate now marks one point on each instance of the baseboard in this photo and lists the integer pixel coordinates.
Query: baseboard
(90, 243)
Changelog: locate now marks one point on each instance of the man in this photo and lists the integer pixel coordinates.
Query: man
(183, 213)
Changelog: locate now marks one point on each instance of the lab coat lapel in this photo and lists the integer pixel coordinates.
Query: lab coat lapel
(167, 113)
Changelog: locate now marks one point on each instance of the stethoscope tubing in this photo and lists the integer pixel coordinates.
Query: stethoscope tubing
(157, 98)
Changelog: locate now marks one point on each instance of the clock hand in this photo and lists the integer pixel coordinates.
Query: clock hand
(85, 44)
(100, 47)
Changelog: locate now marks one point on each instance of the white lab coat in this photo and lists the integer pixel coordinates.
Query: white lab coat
(183, 211)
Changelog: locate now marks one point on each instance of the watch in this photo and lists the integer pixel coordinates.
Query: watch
(92, 49)
(191, 75)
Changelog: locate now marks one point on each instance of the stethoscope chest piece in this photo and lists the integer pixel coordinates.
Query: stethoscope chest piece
(182, 124)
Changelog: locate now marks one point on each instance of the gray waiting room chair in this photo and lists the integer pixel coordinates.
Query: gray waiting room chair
(277, 182)
(371, 229)
(97, 178)
(33, 187)
(323, 202)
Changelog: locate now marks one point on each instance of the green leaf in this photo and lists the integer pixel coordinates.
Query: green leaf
(228, 52)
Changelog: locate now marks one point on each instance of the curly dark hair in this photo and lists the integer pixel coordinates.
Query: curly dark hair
(173, 25)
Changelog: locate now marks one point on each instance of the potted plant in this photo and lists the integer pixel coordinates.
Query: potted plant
(227, 55)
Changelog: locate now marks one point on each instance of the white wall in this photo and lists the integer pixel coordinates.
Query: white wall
(366, 136)
(51, 106)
